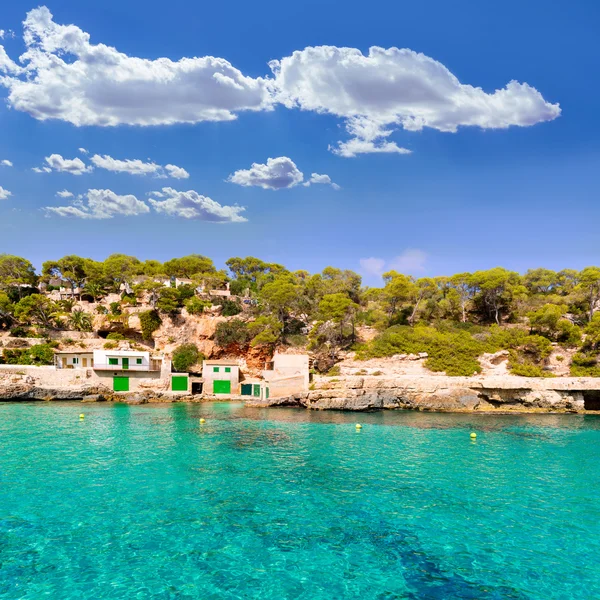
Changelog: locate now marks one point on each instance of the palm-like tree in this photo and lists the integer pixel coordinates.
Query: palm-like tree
(80, 320)
(95, 290)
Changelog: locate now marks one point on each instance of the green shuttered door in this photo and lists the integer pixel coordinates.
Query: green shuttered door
(221, 386)
(120, 384)
(179, 384)
(246, 389)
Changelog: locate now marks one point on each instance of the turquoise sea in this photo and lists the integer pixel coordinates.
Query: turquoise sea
(146, 502)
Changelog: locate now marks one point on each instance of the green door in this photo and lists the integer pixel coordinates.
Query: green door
(125, 362)
(179, 384)
(221, 386)
(246, 389)
(120, 384)
(256, 391)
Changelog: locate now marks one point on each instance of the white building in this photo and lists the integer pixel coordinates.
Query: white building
(221, 377)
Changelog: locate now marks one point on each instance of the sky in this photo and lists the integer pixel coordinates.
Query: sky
(428, 137)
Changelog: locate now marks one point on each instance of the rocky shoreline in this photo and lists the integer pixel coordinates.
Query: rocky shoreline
(422, 393)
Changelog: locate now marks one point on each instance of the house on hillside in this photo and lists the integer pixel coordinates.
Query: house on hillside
(221, 377)
(71, 359)
(125, 370)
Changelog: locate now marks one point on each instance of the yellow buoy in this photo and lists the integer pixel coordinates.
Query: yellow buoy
(473, 435)
(202, 420)
(358, 426)
(82, 416)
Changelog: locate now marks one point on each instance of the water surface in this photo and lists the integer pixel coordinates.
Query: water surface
(146, 502)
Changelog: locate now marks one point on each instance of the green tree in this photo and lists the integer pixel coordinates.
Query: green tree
(232, 332)
(462, 283)
(80, 320)
(36, 309)
(279, 297)
(186, 356)
(168, 301)
(16, 271)
(495, 288)
(71, 268)
(121, 269)
(398, 289)
(541, 281)
(265, 330)
(589, 283)
(150, 321)
(339, 309)
(196, 306)
(188, 266)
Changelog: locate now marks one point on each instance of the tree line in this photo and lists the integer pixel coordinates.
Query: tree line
(323, 310)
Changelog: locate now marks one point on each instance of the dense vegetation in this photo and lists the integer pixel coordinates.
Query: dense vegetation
(454, 319)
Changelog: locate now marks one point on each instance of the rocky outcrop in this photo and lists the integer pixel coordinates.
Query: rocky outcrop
(445, 394)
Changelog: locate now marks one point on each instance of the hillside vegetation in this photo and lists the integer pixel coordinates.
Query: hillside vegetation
(454, 319)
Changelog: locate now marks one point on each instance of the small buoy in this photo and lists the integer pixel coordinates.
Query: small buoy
(358, 426)
(82, 416)
(473, 435)
(202, 420)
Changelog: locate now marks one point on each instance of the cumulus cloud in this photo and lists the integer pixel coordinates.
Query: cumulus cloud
(176, 172)
(64, 194)
(67, 77)
(6, 163)
(138, 167)
(134, 167)
(411, 261)
(324, 179)
(4, 194)
(398, 87)
(63, 75)
(56, 162)
(101, 204)
(83, 150)
(276, 174)
(191, 205)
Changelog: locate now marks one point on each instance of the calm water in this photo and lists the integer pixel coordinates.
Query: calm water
(144, 502)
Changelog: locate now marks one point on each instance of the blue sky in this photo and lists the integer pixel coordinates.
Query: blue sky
(521, 196)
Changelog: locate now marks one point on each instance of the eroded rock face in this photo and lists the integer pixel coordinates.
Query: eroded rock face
(433, 394)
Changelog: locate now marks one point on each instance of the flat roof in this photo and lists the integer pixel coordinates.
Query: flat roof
(223, 361)
(74, 352)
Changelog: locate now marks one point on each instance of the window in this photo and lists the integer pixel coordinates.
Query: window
(113, 361)
(138, 361)
(75, 361)
(215, 369)
(227, 369)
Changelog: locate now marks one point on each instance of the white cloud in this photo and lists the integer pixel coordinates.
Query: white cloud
(64, 194)
(134, 167)
(176, 172)
(324, 179)
(75, 166)
(276, 174)
(64, 76)
(6, 163)
(4, 194)
(68, 78)
(191, 205)
(398, 87)
(138, 167)
(82, 150)
(2, 32)
(411, 261)
(101, 204)
(372, 266)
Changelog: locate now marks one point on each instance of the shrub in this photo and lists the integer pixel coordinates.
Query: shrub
(115, 308)
(559, 357)
(196, 306)
(585, 364)
(150, 321)
(110, 345)
(115, 335)
(334, 371)
(185, 356)
(20, 332)
(102, 310)
(232, 332)
(40, 354)
(528, 370)
(230, 308)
